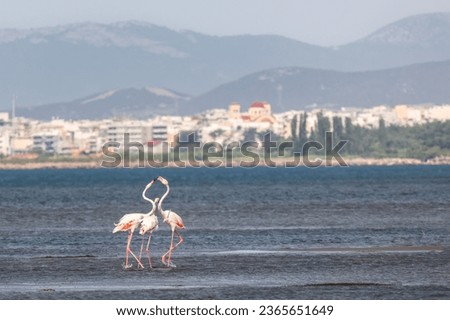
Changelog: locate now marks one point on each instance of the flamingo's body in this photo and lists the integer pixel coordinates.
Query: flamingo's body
(130, 222)
(173, 220)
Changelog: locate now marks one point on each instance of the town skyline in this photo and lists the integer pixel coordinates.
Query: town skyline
(21, 136)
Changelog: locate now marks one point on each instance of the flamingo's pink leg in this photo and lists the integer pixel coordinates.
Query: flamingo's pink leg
(163, 258)
(126, 266)
(137, 260)
(130, 236)
(142, 246)
(172, 247)
(147, 250)
(169, 252)
(180, 239)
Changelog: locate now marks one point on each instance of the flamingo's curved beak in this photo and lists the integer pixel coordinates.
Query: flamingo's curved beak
(162, 180)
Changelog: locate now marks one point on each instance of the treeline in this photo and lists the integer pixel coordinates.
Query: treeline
(423, 142)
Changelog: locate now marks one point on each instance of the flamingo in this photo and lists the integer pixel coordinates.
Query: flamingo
(148, 224)
(130, 222)
(173, 220)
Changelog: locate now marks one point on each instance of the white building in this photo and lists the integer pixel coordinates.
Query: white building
(4, 118)
(5, 141)
(137, 131)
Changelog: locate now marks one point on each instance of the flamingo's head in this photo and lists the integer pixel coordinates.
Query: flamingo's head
(156, 200)
(148, 224)
(143, 229)
(150, 184)
(162, 180)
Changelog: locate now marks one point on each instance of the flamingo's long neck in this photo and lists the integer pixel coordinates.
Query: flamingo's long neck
(162, 199)
(153, 209)
(149, 200)
(143, 195)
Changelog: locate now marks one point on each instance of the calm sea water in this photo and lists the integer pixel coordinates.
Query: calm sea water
(262, 233)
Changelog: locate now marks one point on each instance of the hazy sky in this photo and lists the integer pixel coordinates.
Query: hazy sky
(323, 22)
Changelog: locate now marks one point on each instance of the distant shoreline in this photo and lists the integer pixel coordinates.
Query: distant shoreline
(279, 163)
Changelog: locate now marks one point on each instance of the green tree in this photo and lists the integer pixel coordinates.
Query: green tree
(216, 133)
(348, 135)
(294, 128)
(338, 128)
(303, 133)
(382, 133)
(323, 125)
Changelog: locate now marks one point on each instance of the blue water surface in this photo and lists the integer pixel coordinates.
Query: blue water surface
(251, 233)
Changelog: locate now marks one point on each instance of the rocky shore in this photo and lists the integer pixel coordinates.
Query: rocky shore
(30, 165)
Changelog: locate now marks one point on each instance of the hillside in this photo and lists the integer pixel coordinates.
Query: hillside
(285, 88)
(131, 102)
(62, 63)
(416, 39)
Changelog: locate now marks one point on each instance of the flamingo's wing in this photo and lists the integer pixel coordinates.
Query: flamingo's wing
(128, 221)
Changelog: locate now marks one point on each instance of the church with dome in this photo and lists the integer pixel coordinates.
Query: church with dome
(257, 112)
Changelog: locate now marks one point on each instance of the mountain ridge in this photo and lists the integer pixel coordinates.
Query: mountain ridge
(285, 88)
(412, 29)
(298, 88)
(137, 102)
(65, 62)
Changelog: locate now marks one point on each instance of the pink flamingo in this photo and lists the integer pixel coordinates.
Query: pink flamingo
(148, 224)
(130, 222)
(173, 220)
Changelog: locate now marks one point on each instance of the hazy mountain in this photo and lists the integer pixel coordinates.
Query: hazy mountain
(416, 39)
(65, 62)
(138, 103)
(297, 88)
(285, 88)
(424, 30)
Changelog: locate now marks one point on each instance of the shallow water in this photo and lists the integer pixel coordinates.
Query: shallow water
(261, 233)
